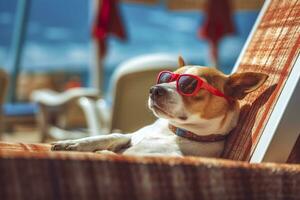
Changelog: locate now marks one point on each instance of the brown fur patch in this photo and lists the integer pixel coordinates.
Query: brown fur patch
(239, 85)
(204, 103)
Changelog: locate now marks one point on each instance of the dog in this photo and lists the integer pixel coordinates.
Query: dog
(196, 106)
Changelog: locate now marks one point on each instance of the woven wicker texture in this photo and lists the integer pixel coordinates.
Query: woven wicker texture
(273, 49)
(30, 172)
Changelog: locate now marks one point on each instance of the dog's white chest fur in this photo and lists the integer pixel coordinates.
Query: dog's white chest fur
(158, 139)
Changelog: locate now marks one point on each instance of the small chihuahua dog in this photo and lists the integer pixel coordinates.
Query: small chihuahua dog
(197, 107)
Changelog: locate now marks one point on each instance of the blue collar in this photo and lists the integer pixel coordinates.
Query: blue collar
(199, 138)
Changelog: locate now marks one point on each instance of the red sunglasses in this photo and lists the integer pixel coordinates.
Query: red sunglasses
(188, 84)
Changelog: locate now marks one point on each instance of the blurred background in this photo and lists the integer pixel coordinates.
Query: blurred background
(62, 44)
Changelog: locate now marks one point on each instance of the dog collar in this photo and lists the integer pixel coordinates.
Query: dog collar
(192, 136)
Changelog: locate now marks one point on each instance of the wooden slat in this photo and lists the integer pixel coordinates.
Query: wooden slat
(186, 4)
(247, 5)
(3, 85)
(200, 4)
(142, 1)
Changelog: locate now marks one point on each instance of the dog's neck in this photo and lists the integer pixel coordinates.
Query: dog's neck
(198, 138)
(221, 125)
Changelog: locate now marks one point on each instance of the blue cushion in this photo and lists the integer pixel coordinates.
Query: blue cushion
(20, 109)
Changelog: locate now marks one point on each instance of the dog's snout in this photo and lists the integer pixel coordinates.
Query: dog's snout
(157, 91)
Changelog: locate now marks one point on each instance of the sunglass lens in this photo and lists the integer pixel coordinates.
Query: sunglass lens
(187, 84)
(164, 77)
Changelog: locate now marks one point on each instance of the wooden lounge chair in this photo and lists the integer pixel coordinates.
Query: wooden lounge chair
(33, 172)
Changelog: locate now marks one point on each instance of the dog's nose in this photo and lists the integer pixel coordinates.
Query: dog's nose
(157, 91)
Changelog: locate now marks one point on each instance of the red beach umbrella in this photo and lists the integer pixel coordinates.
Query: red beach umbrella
(108, 21)
(217, 24)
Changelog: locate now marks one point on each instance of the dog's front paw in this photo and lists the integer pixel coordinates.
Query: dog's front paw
(68, 145)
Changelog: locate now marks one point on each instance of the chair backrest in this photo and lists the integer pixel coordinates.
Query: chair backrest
(273, 48)
(131, 83)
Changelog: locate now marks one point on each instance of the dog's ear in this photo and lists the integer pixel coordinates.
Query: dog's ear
(181, 62)
(239, 85)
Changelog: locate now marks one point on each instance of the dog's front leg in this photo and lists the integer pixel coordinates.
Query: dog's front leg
(112, 142)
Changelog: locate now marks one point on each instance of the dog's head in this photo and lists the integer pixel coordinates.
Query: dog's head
(204, 113)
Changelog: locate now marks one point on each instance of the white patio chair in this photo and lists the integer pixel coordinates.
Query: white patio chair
(124, 110)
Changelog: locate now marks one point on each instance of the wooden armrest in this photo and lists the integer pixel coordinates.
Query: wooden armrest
(93, 176)
(52, 98)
